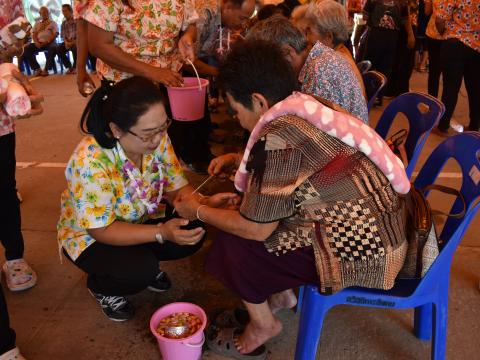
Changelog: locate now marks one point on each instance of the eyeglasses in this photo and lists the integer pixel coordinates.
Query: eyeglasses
(154, 134)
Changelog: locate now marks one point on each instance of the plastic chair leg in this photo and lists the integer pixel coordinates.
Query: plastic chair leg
(439, 344)
(301, 292)
(423, 322)
(310, 327)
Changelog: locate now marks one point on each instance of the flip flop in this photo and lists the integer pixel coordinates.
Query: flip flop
(220, 341)
(236, 318)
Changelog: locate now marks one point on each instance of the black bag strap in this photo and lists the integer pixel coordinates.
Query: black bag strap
(450, 191)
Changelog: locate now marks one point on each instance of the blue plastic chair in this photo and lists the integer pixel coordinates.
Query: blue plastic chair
(364, 66)
(420, 123)
(425, 295)
(374, 82)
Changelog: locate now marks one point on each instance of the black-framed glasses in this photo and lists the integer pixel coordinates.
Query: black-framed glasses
(152, 136)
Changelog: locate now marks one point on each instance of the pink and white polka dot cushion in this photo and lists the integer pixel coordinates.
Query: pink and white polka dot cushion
(344, 127)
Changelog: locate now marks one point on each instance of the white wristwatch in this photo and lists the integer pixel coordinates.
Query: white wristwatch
(159, 238)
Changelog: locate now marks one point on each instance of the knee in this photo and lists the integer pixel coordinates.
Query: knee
(143, 272)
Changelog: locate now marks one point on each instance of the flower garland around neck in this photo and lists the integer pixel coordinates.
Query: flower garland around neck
(148, 192)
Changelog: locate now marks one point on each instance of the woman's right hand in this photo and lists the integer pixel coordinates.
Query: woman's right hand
(224, 165)
(172, 231)
(82, 79)
(166, 77)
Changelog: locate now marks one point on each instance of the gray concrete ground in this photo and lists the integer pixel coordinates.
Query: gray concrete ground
(59, 320)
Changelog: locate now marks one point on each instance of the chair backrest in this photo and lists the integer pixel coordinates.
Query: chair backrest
(420, 121)
(364, 66)
(374, 82)
(465, 149)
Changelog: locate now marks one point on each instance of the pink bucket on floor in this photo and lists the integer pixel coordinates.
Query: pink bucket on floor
(188, 101)
(189, 348)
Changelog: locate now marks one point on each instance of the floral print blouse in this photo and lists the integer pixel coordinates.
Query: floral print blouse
(104, 186)
(328, 75)
(463, 20)
(148, 30)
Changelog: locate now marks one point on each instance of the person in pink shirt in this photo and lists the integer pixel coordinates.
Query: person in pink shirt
(19, 275)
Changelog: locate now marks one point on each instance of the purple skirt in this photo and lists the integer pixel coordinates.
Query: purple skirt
(248, 269)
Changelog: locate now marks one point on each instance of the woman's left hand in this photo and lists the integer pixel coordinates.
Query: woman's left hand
(229, 201)
(186, 206)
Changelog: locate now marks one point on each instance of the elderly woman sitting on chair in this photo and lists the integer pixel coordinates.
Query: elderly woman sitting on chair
(321, 201)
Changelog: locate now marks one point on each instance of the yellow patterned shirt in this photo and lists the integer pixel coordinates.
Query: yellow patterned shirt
(148, 30)
(100, 191)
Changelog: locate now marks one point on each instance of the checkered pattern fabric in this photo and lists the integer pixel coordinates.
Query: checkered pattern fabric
(305, 192)
(290, 240)
(352, 231)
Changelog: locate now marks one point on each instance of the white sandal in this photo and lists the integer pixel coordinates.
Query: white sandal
(19, 275)
(13, 354)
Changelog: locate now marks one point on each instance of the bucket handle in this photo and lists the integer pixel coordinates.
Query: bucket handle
(200, 344)
(196, 73)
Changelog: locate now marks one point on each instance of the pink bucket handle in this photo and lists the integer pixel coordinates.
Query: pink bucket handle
(200, 344)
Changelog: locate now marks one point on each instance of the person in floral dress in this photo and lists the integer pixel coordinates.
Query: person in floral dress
(113, 223)
(141, 37)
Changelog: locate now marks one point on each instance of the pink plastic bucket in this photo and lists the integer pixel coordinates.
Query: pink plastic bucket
(188, 101)
(189, 348)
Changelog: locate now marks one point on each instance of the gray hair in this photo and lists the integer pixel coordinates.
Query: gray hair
(279, 30)
(299, 12)
(328, 16)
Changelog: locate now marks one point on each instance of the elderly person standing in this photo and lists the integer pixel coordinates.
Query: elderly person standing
(45, 32)
(328, 23)
(316, 208)
(321, 70)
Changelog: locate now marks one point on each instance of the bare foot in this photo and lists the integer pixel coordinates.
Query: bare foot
(254, 336)
(283, 300)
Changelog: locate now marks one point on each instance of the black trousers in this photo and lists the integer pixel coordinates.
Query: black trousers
(31, 51)
(381, 50)
(460, 62)
(7, 335)
(10, 220)
(435, 65)
(62, 53)
(399, 81)
(190, 138)
(126, 270)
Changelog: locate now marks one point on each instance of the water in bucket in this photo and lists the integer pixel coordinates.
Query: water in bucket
(189, 348)
(188, 101)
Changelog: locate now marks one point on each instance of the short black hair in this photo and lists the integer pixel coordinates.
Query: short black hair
(67, 6)
(257, 66)
(267, 11)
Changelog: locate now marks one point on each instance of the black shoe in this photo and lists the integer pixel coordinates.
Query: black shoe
(117, 308)
(161, 283)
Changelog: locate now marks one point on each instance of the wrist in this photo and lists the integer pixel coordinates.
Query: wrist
(199, 216)
(160, 234)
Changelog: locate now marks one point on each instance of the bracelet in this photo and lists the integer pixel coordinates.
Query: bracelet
(198, 213)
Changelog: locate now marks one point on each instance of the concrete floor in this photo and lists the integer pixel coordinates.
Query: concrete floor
(59, 320)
